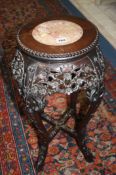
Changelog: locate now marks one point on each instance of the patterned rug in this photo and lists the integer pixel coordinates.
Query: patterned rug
(18, 140)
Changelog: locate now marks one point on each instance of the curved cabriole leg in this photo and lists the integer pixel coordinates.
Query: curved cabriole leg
(39, 129)
(82, 120)
(83, 110)
(43, 148)
(42, 140)
(80, 128)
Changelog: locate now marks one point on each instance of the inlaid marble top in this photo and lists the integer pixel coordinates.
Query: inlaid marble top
(57, 32)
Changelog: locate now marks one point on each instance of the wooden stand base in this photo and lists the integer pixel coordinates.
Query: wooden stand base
(45, 137)
(72, 65)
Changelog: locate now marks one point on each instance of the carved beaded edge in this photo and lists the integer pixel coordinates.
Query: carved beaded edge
(64, 56)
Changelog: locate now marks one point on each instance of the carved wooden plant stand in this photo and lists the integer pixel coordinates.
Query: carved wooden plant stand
(62, 62)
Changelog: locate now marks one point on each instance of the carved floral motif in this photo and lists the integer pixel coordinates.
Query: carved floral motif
(37, 82)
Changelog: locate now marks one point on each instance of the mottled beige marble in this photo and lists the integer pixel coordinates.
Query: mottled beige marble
(57, 32)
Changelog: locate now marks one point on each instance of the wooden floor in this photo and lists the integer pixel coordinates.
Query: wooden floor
(103, 16)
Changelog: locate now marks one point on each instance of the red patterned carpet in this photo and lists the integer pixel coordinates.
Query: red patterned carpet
(18, 141)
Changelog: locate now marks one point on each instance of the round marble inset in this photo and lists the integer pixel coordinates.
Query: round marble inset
(57, 32)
